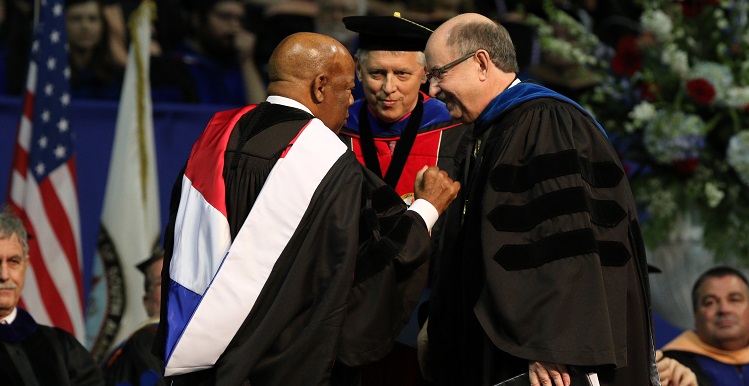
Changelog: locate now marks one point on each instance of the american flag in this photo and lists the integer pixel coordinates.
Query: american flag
(43, 180)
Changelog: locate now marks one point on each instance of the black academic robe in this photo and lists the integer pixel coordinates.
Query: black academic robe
(132, 363)
(397, 151)
(551, 264)
(343, 287)
(49, 356)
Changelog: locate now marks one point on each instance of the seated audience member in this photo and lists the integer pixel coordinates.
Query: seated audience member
(132, 363)
(170, 79)
(17, 30)
(219, 53)
(329, 19)
(115, 16)
(278, 19)
(673, 373)
(94, 73)
(717, 350)
(32, 354)
(428, 12)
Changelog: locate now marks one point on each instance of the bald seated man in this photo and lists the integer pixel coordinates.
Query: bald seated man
(288, 262)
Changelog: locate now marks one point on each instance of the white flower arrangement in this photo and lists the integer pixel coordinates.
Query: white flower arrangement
(675, 102)
(737, 155)
(674, 136)
(658, 23)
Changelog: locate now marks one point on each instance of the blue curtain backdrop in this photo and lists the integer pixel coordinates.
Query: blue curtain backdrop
(176, 127)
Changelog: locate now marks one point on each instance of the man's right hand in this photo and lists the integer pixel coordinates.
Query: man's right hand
(435, 186)
(673, 373)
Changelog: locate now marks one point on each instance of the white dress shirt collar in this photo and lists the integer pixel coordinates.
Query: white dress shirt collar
(279, 100)
(11, 317)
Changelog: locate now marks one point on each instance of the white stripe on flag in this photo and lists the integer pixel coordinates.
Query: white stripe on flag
(40, 192)
(32, 77)
(265, 233)
(18, 184)
(24, 133)
(63, 181)
(32, 299)
(53, 254)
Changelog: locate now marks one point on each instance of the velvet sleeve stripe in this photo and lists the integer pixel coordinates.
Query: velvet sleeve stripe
(516, 179)
(392, 233)
(376, 259)
(522, 218)
(560, 246)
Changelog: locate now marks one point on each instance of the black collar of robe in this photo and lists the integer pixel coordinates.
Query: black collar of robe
(21, 328)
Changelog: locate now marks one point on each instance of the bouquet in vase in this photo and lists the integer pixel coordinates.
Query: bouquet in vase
(674, 99)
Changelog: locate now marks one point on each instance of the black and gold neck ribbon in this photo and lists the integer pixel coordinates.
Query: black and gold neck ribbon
(402, 147)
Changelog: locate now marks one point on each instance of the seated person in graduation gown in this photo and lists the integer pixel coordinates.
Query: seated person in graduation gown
(132, 362)
(94, 74)
(32, 354)
(287, 262)
(219, 53)
(717, 350)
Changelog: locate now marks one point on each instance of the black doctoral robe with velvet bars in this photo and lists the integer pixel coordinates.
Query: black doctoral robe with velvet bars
(343, 287)
(551, 265)
(30, 353)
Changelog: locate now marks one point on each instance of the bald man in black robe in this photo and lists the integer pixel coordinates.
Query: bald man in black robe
(312, 260)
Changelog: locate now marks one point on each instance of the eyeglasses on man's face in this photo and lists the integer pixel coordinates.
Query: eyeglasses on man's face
(436, 74)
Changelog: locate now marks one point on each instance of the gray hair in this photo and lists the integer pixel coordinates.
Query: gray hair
(11, 225)
(362, 54)
(472, 36)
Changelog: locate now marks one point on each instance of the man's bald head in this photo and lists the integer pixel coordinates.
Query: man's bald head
(301, 56)
(488, 65)
(470, 32)
(315, 70)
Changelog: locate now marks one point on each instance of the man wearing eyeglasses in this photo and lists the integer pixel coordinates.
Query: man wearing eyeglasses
(549, 278)
(395, 130)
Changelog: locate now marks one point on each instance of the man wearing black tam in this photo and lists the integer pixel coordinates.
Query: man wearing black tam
(395, 130)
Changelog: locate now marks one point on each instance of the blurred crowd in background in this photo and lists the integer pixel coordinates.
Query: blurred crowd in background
(216, 51)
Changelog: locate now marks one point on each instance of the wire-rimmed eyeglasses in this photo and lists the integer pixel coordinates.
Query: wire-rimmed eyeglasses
(439, 73)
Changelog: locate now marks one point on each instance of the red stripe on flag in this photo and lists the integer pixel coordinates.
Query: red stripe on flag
(60, 224)
(51, 298)
(20, 161)
(28, 104)
(40, 144)
(73, 175)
